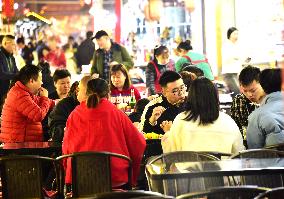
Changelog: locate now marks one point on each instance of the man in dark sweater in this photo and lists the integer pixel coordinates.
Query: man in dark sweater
(85, 51)
(8, 68)
(166, 107)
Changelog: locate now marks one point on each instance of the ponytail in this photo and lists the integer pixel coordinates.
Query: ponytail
(93, 100)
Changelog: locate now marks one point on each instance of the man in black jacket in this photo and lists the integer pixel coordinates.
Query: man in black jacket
(166, 107)
(85, 51)
(8, 67)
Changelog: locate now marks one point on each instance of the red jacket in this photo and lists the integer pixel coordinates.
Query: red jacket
(125, 92)
(56, 58)
(104, 128)
(22, 115)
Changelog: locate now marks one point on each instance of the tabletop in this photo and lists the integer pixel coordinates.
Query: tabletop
(48, 149)
(229, 167)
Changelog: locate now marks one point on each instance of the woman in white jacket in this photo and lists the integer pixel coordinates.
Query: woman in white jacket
(202, 127)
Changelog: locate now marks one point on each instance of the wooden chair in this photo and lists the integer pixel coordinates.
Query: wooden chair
(245, 192)
(275, 193)
(270, 181)
(174, 187)
(91, 172)
(23, 177)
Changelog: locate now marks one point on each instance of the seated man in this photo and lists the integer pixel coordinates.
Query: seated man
(61, 79)
(165, 107)
(25, 107)
(266, 124)
(246, 102)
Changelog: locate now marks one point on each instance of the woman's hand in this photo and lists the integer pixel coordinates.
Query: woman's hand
(166, 125)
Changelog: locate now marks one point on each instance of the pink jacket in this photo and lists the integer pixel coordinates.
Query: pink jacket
(22, 115)
(104, 128)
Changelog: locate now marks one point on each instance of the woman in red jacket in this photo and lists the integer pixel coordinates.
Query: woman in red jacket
(97, 125)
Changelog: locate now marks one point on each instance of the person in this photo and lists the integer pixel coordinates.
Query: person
(192, 69)
(55, 57)
(109, 53)
(165, 107)
(120, 85)
(232, 60)
(58, 117)
(26, 52)
(187, 78)
(266, 124)
(47, 80)
(202, 127)
(189, 56)
(61, 79)
(8, 67)
(85, 51)
(103, 127)
(70, 45)
(135, 117)
(156, 68)
(25, 107)
(247, 101)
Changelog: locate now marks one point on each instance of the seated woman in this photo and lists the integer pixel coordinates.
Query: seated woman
(97, 125)
(202, 127)
(120, 85)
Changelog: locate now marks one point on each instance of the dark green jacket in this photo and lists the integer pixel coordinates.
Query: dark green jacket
(119, 54)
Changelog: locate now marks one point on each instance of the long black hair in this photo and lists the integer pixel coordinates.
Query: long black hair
(202, 102)
(159, 50)
(96, 89)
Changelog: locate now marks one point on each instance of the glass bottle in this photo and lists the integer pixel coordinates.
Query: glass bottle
(132, 101)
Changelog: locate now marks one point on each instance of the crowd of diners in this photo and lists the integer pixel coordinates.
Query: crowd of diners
(183, 106)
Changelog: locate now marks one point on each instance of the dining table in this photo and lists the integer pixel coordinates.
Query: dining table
(185, 177)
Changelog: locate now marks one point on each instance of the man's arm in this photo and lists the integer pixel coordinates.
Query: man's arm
(236, 113)
(37, 108)
(150, 78)
(255, 137)
(4, 72)
(94, 68)
(126, 59)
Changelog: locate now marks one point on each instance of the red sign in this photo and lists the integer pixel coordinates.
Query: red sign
(8, 8)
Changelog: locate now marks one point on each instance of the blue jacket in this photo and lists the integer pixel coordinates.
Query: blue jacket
(266, 124)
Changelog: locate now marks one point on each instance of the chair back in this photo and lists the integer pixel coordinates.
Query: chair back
(270, 181)
(174, 187)
(132, 194)
(244, 192)
(91, 172)
(278, 147)
(23, 176)
(182, 156)
(275, 193)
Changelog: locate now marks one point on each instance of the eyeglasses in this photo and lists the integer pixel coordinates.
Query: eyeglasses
(178, 91)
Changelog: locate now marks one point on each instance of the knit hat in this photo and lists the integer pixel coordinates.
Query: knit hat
(230, 31)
